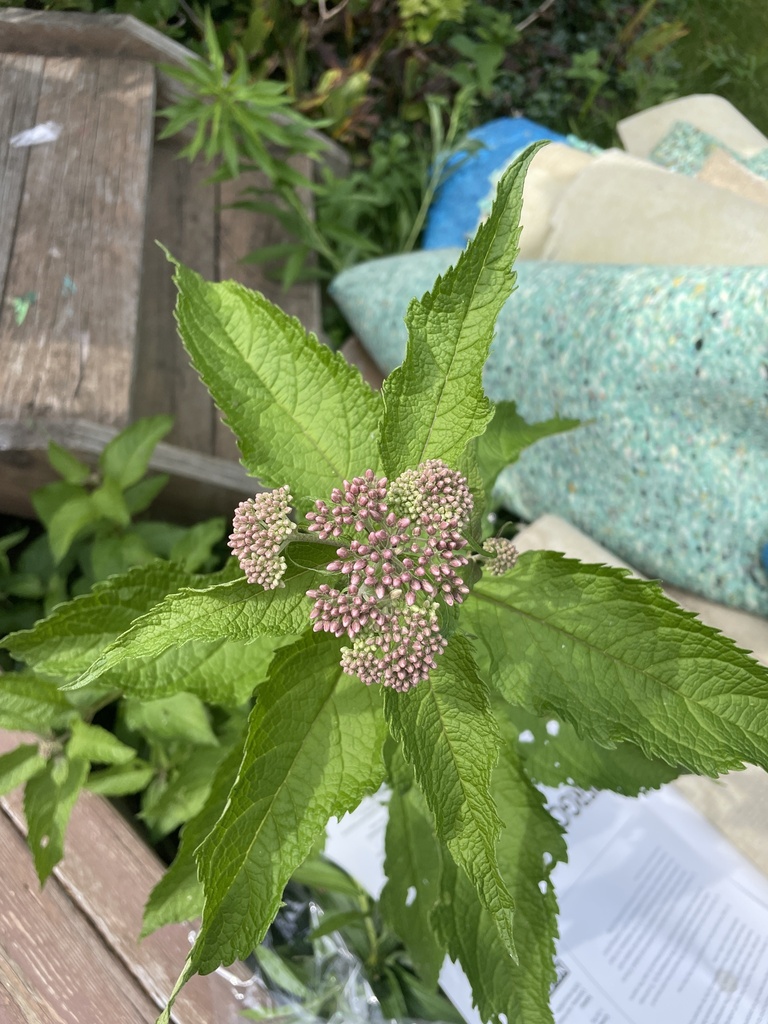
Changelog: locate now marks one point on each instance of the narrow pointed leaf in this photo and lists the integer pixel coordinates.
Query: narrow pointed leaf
(125, 459)
(434, 403)
(49, 798)
(18, 766)
(303, 416)
(620, 662)
(507, 436)
(291, 781)
(32, 704)
(239, 611)
(449, 736)
(94, 744)
(530, 845)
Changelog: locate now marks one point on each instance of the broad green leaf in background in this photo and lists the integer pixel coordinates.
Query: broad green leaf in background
(178, 896)
(67, 465)
(529, 847)
(185, 793)
(67, 641)
(193, 549)
(313, 751)
(32, 704)
(140, 496)
(507, 435)
(303, 416)
(68, 521)
(97, 745)
(412, 868)
(223, 672)
(48, 801)
(450, 737)
(434, 404)
(181, 717)
(109, 502)
(619, 661)
(125, 459)
(554, 754)
(238, 610)
(19, 765)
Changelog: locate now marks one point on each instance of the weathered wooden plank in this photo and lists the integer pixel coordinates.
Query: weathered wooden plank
(78, 246)
(20, 83)
(54, 968)
(181, 214)
(110, 880)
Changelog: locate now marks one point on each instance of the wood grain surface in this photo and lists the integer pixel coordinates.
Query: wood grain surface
(77, 245)
(107, 874)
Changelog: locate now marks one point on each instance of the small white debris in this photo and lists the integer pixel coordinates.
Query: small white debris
(410, 896)
(48, 131)
(553, 727)
(526, 736)
(543, 887)
(547, 858)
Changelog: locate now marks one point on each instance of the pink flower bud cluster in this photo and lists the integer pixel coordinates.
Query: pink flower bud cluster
(397, 560)
(505, 554)
(400, 652)
(260, 531)
(435, 489)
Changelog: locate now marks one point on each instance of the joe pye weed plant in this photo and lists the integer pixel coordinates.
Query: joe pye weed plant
(369, 562)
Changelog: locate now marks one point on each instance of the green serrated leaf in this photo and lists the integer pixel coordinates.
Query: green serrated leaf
(529, 846)
(67, 641)
(620, 662)
(67, 465)
(185, 795)
(303, 416)
(450, 737)
(31, 704)
(121, 779)
(125, 459)
(291, 782)
(181, 717)
(507, 435)
(19, 766)
(434, 404)
(178, 896)
(238, 610)
(96, 745)
(412, 867)
(49, 798)
(554, 754)
(223, 672)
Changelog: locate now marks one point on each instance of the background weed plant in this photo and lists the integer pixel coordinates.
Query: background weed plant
(266, 736)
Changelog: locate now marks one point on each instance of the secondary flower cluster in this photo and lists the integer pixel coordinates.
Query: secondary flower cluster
(505, 555)
(400, 552)
(260, 530)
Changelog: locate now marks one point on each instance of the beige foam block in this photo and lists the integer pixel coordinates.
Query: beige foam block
(620, 209)
(723, 171)
(737, 803)
(641, 133)
(551, 172)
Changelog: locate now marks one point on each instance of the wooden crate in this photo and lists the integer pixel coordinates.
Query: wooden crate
(79, 222)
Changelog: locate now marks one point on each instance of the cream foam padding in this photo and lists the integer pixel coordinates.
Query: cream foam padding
(549, 176)
(641, 133)
(623, 210)
(737, 803)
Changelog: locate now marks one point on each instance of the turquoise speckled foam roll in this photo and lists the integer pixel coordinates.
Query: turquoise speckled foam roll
(670, 364)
